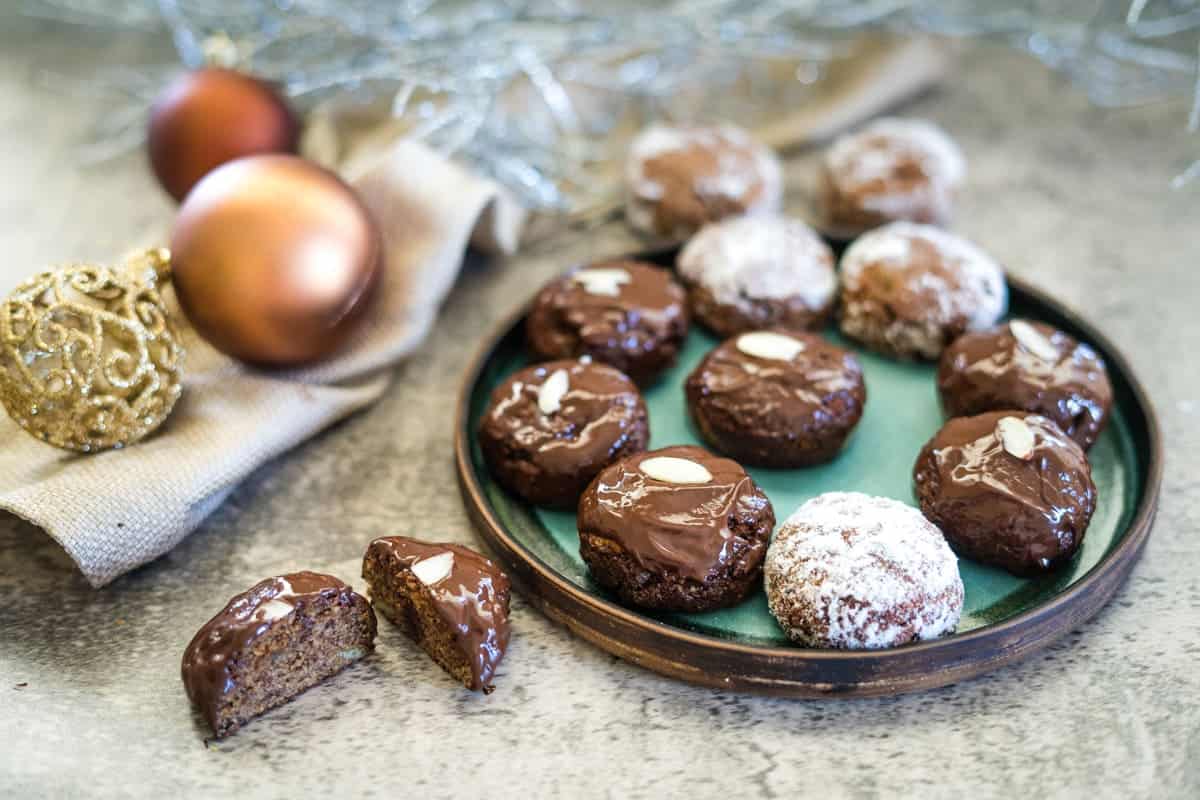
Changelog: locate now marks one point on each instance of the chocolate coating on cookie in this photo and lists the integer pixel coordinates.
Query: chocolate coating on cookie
(628, 314)
(909, 290)
(678, 179)
(220, 668)
(852, 571)
(1007, 488)
(1029, 366)
(789, 407)
(467, 592)
(548, 454)
(891, 169)
(753, 272)
(675, 529)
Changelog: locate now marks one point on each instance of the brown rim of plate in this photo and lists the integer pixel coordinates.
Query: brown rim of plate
(795, 671)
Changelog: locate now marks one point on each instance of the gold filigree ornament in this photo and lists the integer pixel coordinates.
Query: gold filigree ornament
(90, 358)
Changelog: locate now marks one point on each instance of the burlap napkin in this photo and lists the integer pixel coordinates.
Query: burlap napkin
(118, 510)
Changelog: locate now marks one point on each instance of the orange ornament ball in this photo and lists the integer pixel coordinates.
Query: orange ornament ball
(211, 116)
(274, 259)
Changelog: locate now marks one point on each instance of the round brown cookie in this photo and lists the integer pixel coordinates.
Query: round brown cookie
(852, 571)
(909, 290)
(624, 313)
(777, 398)
(676, 529)
(891, 169)
(1007, 488)
(1031, 366)
(678, 179)
(753, 272)
(550, 428)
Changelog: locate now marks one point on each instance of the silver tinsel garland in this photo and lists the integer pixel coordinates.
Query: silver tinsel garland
(530, 92)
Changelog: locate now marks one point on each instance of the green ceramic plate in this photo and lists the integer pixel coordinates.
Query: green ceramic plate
(1004, 617)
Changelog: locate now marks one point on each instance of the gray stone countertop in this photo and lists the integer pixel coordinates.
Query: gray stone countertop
(1073, 198)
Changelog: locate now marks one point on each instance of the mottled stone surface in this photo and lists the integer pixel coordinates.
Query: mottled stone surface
(1073, 198)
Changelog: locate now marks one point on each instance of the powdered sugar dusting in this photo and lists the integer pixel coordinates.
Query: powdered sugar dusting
(733, 180)
(892, 169)
(758, 258)
(981, 294)
(652, 143)
(874, 248)
(853, 571)
(857, 158)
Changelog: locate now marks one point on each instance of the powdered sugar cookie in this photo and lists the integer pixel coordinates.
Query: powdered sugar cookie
(678, 179)
(909, 290)
(848, 570)
(891, 169)
(758, 271)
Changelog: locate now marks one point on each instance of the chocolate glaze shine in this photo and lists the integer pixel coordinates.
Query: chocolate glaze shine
(1027, 515)
(473, 600)
(601, 416)
(817, 393)
(209, 660)
(680, 528)
(991, 370)
(639, 330)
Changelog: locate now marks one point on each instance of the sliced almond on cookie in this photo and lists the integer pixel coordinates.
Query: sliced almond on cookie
(670, 469)
(602, 280)
(771, 346)
(1016, 436)
(433, 569)
(1032, 340)
(551, 393)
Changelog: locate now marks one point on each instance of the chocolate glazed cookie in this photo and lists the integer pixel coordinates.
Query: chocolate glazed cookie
(676, 529)
(273, 641)
(624, 313)
(1030, 366)
(1008, 489)
(449, 599)
(550, 428)
(777, 398)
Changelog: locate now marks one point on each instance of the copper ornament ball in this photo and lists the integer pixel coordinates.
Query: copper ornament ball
(211, 116)
(274, 259)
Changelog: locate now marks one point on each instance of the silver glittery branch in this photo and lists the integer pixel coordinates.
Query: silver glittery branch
(534, 92)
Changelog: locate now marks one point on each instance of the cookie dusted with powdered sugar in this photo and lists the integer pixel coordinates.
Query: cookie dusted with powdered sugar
(759, 271)
(847, 570)
(909, 290)
(892, 169)
(678, 179)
